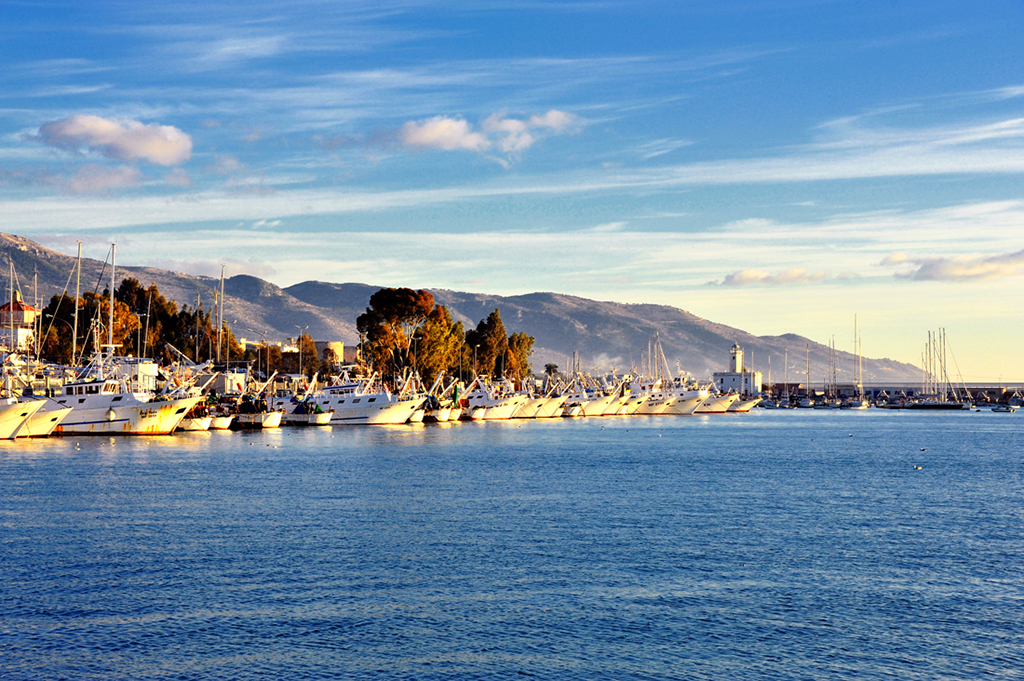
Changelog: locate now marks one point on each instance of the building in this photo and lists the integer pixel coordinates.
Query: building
(738, 378)
(18, 320)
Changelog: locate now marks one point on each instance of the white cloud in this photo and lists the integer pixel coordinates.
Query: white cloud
(123, 140)
(516, 133)
(97, 179)
(510, 135)
(789, 277)
(211, 268)
(559, 121)
(442, 132)
(959, 268)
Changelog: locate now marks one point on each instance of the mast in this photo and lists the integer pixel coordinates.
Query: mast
(220, 314)
(110, 327)
(10, 315)
(807, 389)
(78, 284)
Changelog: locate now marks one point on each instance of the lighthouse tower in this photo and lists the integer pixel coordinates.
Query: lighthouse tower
(736, 366)
(744, 381)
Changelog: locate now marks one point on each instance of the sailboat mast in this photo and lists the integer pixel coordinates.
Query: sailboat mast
(78, 285)
(10, 316)
(110, 327)
(220, 313)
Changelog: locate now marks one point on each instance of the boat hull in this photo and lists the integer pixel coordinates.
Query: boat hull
(200, 423)
(45, 420)
(257, 421)
(134, 418)
(717, 404)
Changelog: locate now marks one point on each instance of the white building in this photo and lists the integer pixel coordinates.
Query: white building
(738, 378)
(21, 319)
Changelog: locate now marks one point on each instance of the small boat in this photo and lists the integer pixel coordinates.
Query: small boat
(221, 421)
(1004, 409)
(195, 423)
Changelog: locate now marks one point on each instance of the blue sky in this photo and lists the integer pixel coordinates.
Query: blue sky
(774, 166)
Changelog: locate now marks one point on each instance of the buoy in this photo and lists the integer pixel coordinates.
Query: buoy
(111, 415)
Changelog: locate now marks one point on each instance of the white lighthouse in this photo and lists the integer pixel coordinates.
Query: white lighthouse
(737, 359)
(737, 378)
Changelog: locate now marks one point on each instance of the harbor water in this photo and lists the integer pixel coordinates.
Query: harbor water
(771, 545)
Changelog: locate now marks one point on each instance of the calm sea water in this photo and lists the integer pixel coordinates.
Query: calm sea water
(772, 545)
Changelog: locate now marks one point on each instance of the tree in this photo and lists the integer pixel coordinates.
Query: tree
(520, 347)
(328, 362)
(490, 343)
(387, 326)
(551, 369)
(439, 342)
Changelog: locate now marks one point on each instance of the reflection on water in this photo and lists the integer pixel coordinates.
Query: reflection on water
(769, 545)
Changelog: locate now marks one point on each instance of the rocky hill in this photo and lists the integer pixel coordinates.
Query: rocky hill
(606, 334)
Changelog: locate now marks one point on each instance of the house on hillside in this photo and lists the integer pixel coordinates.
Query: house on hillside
(18, 320)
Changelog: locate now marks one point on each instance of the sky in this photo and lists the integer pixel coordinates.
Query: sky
(777, 166)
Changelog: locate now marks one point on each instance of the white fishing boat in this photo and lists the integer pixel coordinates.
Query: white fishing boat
(499, 401)
(598, 404)
(742, 406)
(257, 420)
(572, 410)
(221, 421)
(632, 403)
(14, 415)
(552, 407)
(195, 423)
(365, 402)
(45, 420)
(106, 406)
(717, 404)
(688, 398)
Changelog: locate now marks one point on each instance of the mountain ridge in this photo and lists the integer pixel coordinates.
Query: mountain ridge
(605, 333)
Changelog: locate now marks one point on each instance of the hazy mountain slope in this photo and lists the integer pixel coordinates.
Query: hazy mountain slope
(605, 333)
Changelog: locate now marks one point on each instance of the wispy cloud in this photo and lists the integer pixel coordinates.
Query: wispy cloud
(963, 268)
(790, 277)
(510, 135)
(97, 179)
(122, 140)
(660, 147)
(211, 268)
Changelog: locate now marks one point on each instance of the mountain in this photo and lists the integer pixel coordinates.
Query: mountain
(606, 334)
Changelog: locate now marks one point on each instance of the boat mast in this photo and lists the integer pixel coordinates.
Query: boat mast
(78, 285)
(10, 315)
(220, 313)
(110, 327)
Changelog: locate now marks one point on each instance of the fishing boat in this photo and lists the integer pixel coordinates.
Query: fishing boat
(742, 406)
(492, 402)
(365, 402)
(14, 415)
(717, 404)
